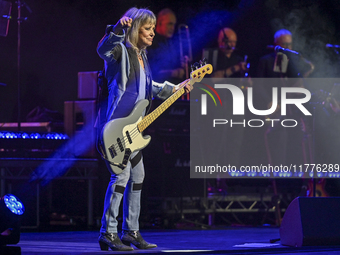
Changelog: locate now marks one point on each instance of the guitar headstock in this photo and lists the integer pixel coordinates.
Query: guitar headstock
(199, 70)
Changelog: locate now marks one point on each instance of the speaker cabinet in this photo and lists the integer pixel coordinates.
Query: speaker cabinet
(311, 221)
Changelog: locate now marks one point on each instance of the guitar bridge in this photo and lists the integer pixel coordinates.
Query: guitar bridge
(112, 151)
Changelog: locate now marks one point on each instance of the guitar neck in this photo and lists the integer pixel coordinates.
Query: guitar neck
(195, 76)
(147, 120)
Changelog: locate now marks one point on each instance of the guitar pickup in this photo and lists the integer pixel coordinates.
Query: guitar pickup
(112, 151)
(128, 137)
(120, 144)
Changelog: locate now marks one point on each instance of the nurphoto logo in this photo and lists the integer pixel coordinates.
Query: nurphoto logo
(238, 99)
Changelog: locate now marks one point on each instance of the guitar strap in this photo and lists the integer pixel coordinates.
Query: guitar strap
(136, 159)
(148, 74)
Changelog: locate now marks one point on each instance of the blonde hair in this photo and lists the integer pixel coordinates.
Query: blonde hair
(139, 18)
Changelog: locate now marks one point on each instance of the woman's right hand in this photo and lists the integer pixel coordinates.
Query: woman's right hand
(124, 22)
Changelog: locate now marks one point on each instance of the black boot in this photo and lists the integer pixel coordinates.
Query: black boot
(135, 238)
(112, 240)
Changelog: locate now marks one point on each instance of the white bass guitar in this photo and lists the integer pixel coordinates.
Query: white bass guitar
(123, 136)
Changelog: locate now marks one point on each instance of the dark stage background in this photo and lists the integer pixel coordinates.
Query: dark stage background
(59, 39)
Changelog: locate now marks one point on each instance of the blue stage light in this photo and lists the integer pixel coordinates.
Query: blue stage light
(237, 174)
(11, 210)
(25, 136)
(300, 175)
(9, 135)
(14, 204)
(334, 175)
(253, 174)
(35, 136)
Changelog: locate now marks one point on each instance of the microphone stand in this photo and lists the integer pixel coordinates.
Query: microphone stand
(19, 20)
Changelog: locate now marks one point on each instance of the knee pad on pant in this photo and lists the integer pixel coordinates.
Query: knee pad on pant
(133, 187)
(119, 189)
(137, 186)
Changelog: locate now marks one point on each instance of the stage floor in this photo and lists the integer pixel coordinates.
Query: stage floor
(231, 240)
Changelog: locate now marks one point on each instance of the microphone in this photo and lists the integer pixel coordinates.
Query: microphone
(287, 51)
(227, 47)
(328, 45)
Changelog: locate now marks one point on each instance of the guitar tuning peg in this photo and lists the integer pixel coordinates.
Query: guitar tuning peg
(205, 61)
(192, 68)
(196, 65)
(201, 63)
